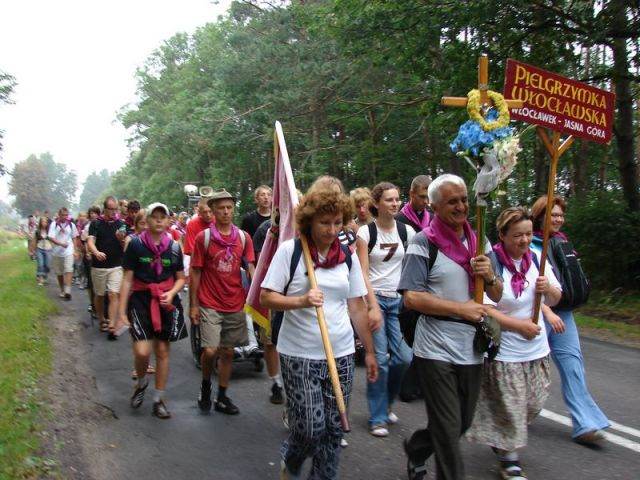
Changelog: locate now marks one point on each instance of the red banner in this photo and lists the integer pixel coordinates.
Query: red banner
(559, 103)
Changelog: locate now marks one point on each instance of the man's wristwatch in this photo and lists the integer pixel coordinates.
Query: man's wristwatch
(493, 280)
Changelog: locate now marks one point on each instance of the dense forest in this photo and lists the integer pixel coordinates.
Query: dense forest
(356, 85)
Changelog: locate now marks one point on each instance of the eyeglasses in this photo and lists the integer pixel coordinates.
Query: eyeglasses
(557, 215)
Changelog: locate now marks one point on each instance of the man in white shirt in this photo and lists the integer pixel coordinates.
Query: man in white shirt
(64, 237)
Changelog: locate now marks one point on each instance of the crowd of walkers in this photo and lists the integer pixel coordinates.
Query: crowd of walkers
(401, 276)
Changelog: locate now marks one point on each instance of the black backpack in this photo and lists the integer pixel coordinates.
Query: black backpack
(575, 285)
(277, 316)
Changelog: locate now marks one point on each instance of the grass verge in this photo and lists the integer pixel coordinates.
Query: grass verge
(619, 329)
(25, 359)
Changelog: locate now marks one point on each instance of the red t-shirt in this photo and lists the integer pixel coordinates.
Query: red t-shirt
(194, 227)
(174, 234)
(220, 281)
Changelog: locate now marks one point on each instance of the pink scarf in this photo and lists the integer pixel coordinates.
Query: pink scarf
(156, 250)
(64, 224)
(518, 278)
(115, 218)
(228, 245)
(335, 255)
(411, 214)
(448, 242)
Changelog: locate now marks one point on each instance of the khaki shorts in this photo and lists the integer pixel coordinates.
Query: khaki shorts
(106, 280)
(62, 265)
(223, 329)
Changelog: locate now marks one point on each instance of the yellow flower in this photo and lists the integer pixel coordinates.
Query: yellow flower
(473, 108)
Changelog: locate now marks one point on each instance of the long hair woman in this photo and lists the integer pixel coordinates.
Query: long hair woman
(587, 418)
(41, 248)
(381, 247)
(314, 426)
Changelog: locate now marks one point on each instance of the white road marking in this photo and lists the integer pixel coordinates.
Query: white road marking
(612, 437)
(625, 429)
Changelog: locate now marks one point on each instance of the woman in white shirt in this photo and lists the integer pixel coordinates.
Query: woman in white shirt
(516, 384)
(314, 426)
(381, 247)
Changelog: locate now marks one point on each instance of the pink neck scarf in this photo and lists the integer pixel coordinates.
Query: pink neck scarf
(216, 236)
(518, 278)
(157, 250)
(114, 218)
(449, 243)
(411, 214)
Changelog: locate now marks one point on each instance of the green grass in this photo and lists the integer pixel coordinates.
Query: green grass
(25, 359)
(617, 328)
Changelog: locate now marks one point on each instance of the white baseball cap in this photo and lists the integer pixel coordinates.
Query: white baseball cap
(157, 205)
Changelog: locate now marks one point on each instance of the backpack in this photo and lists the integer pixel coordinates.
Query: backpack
(373, 235)
(575, 285)
(243, 241)
(278, 316)
(407, 318)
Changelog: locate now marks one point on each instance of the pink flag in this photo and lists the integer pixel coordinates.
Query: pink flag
(285, 199)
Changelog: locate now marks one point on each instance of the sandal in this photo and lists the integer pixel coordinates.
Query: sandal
(511, 470)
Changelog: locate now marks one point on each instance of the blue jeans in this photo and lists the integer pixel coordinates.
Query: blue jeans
(393, 357)
(43, 259)
(566, 354)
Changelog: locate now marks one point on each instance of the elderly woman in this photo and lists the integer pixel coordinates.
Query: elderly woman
(381, 247)
(516, 384)
(587, 418)
(311, 405)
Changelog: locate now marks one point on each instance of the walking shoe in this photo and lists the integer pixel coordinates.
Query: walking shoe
(285, 474)
(204, 398)
(61, 294)
(593, 437)
(344, 443)
(255, 353)
(67, 296)
(160, 410)
(415, 471)
(276, 397)
(511, 470)
(225, 405)
(138, 395)
(379, 431)
(392, 418)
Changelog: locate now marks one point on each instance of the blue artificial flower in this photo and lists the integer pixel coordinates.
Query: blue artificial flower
(473, 139)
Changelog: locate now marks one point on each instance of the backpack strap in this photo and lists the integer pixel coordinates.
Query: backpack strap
(207, 239)
(433, 254)
(402, 233)
(373, 236)
(295, 259)
(348, 259)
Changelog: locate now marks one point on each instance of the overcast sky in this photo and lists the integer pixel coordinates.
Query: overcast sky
(74, 61)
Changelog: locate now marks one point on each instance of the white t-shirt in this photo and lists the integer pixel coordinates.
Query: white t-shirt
(64, 234)
(299, 334)
(514, 347)
(385, 258)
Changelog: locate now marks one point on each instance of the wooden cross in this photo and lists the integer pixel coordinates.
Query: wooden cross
(483, 86)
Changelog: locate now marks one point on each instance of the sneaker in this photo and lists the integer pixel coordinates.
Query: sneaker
(277, 397)
(379, 431)
(415, 471)
(67, 296)
(138, 395)
(90, 309)
(392, 418)
(255, 353)
(225, 405)
(204, 398)
(593, 437)
(343, 443)
(160, 410)
(511, 470)
(61, 295)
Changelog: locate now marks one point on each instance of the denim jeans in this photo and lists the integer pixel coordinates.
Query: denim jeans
(566, 354)
(393, 357)
(43, 258)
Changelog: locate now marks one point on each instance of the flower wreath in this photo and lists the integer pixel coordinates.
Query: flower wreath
(473, 108)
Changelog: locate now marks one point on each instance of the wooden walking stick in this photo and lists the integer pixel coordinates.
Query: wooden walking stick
(555, 149)
(324, 332)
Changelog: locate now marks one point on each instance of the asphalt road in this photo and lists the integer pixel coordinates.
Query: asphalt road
(193, 445)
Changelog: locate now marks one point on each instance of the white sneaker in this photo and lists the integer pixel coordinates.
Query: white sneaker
(343, 443)
(379, 431)
(392, 418)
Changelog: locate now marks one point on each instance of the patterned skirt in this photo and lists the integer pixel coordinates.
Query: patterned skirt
(511, 396)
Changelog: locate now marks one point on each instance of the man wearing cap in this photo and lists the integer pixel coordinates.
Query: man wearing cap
(217, 296)
(153, 274)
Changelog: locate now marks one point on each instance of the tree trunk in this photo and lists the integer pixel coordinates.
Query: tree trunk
(627, 162)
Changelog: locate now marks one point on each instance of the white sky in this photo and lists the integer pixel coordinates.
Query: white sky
(74, 62)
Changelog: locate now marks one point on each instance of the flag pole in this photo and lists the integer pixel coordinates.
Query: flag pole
(324, 332)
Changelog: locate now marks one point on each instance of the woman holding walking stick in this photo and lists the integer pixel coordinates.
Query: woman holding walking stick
(312, 407)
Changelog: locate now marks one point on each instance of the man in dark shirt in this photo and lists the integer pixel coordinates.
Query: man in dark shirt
(154, 274)
(106, 236)
(252, 220)
(415, 212)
